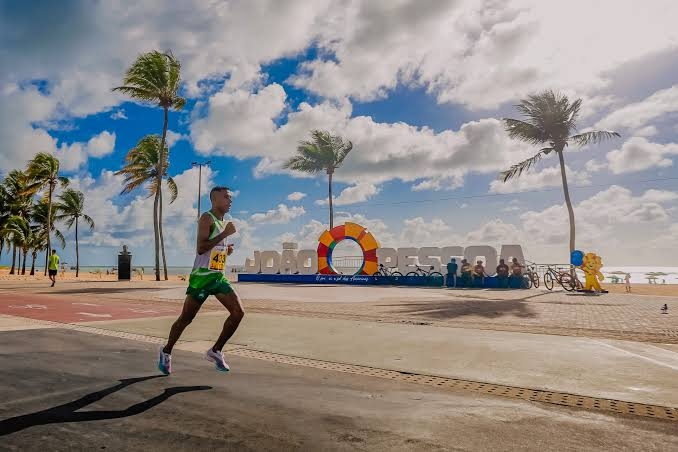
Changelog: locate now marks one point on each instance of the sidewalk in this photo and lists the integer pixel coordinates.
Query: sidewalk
(622, 370)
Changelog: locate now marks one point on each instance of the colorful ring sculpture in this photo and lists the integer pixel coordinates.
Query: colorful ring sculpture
(351, 231)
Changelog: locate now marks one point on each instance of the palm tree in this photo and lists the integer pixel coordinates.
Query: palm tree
(19, 203)
(141, 168)
(37, 243)
(39, 214)
(43, 173)
(550, 120)
(324, 152)
(155, 77)
(70, 210)
(4, 215)
(19, 231)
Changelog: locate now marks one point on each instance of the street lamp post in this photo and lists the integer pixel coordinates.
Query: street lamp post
(200, 165)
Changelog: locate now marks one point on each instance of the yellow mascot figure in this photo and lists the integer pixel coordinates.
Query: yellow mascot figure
(591, 265)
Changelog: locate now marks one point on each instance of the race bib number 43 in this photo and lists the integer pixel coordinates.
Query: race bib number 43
(217, 260)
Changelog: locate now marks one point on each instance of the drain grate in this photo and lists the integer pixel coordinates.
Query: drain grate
(532, 395)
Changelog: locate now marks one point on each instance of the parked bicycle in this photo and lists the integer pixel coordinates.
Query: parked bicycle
(564, 278)
(531, 277)
(387, 273)
(433, 278)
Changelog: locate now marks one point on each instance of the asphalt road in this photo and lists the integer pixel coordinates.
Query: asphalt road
(66, 390)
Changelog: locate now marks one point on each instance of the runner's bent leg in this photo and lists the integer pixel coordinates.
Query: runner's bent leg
(191, 308)
(231, 301)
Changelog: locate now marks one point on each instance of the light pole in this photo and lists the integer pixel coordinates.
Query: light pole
(200, 165)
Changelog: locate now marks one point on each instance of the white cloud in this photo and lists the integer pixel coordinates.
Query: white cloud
(296, 196)
(482, 54)
(419, 232)
(118, 114)
(534, 180)
(439, 183)
(74, 156)
(638, 154)
(637, 115)
(350, 195)
(593, 166)
(280, 215)
(174, 137)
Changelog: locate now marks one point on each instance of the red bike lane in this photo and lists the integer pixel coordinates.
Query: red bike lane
(71, 309)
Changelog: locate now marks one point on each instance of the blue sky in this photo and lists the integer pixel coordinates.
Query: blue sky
(418, 87)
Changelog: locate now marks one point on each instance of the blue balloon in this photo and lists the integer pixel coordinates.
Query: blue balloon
(577, 258)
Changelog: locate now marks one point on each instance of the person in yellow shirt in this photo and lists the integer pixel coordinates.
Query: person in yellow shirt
(53, 266)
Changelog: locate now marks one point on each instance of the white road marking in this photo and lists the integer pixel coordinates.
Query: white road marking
(89, 314)
(29, 306)
(652, 360)
(85, 304)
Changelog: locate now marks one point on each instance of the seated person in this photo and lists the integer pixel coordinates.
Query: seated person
(516, 279)
(478, 274)
(465, 274)
(502, 274)
(452, 273)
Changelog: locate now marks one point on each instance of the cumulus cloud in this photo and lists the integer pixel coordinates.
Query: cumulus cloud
(350, 195)
(638, 154)
(296, 196)
(280, 215)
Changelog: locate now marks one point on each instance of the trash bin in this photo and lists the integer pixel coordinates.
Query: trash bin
(124, 264)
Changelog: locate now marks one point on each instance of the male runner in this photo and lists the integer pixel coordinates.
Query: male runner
(53, 267)
(207, 278)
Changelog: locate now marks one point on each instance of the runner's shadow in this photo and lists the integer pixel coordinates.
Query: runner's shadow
(68, 411)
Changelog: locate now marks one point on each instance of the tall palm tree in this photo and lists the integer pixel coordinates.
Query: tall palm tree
(39, 214)
(37, 244)
(19, 203)
(324, 152)
(550, 120)
(70, 209)
(43, 173)
(19, 232)
(141, 168)
(155, 77)
(4, 215)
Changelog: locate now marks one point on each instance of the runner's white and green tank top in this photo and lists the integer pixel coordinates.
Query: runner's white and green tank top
(210, 266)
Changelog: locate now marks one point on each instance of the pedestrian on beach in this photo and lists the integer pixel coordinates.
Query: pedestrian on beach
(53, 267)
(627, 280)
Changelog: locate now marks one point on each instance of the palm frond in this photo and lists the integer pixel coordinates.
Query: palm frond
(60, 237)
(174, 190)
(594, 137)
(518, 169)
(88, 221)
(524, 131)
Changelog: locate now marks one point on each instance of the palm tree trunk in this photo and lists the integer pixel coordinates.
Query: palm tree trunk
(162, 240)
(161, 174)
(49, 226)
(35, 255)
(11, 272)
(23, 267)
(157, 238)
(568, 202)
(77, 251)
(330, 173)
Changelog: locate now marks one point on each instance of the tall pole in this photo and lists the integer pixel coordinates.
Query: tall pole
(200, 165)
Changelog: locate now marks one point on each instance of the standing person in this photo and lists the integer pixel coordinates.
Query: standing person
(208, 278)
(53, 266)
(627, 280)
(502, 274)
(452, 273)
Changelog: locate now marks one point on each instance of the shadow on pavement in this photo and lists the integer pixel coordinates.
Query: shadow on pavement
(68, 412)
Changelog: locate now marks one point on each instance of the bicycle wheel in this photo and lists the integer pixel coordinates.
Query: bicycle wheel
(377, 274)
(396, 274)
(436, 278)
(412, 274)
(535, 280)
(567, 283)
(548, 281)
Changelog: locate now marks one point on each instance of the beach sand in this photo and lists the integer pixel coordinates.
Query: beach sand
(84, 276)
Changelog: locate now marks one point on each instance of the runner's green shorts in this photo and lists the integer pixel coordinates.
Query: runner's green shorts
(201, 287)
